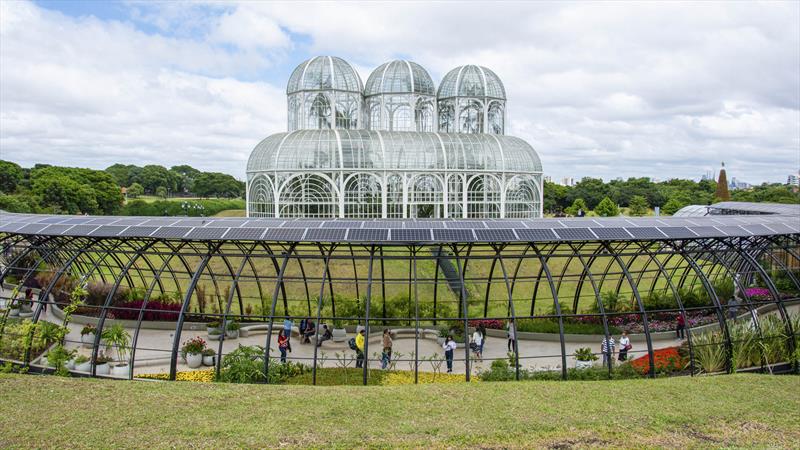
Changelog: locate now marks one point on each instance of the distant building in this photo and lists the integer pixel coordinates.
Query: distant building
(568, 181)
(736, 184)
(548, 178)
(793, 180)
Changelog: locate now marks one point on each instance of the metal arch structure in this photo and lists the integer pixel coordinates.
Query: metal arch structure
(616, 274)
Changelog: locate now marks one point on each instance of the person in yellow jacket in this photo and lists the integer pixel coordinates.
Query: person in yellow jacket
(360, 348)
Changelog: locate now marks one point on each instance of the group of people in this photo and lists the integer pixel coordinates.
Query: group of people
(358, 344)
(307, 329)
(608, 348)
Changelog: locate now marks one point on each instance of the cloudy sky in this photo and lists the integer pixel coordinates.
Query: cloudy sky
(599, 89)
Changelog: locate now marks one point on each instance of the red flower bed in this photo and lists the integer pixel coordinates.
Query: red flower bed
(492, 324)
(666, 360)
(155, 310)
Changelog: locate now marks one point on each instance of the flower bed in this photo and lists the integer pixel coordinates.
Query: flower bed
(198, 376)
(658, 322)
(489, 324)
(666, 360)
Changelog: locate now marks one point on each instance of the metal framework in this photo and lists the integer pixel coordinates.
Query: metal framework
(414, 277)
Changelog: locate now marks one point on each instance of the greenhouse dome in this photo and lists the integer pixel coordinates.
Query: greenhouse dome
(324, 92)
(400, 96)
(472, 99)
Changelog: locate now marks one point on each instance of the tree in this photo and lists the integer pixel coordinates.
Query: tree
(186, 175)
(607, 208)
(638, 206)
(161, 191)
(555, 197)
(591, 190)
(577, 205)
(153, 176)
(10, 176)
(135, 190)
(74, 190)
(214, 184)
(672, 206)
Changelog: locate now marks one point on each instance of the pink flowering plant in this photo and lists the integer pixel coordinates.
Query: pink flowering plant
(758, 293)
(194, 345)
(489, 324)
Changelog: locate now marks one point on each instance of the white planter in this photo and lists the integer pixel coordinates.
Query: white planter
(102, 369)
(231, 334)
(87, 340)
(210, 330)
(121, 371)
(71, 364)
(84, 367)
(194, 360)
(339, 335)
(584, 364)
(209, 360)
(214, 337)
(440, 340)
(13, 312)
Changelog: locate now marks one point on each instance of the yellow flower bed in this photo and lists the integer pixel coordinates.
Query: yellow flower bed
(407, 377)
(199, 376)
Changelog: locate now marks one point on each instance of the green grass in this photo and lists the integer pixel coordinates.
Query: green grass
(232, 213)
(700, 412)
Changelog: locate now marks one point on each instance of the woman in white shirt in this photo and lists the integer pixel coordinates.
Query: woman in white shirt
(449, 347)
(477, 343)
(624, 346)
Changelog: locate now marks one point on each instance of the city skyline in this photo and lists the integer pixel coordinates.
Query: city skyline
(90, 84)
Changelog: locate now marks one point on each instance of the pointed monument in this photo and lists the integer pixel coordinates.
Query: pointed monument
(722, 193)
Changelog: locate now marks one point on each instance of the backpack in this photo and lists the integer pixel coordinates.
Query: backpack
(352, 344)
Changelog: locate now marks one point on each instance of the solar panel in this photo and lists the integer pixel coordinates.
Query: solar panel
(11, 227)
(384, 224)
(76, 220)
(458, 235)
(424, 224)
(734, 231)
(170, 232)
(325, 234)
(645, 232)
(536, 235)
(705, 231)
(411, 235)
(206, 233)
(54, 219)
(677, 232)
(579, 234)
(138, 231)
(368, 234)
(781, 228)
(192, 222)
(610, 222)
(158, 222)
(504, 224)
(245, 234)
(496, 235)
(645, 222)
(611, 233)
(102, 220)
(758, 229)
(284, 234)
(130, 221)
(54, 230)
(342, 224)
(225, 224)
(304, 223)
(465, 224)
(543, 223)
(107, 231)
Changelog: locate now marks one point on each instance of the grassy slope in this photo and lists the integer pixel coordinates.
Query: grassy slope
(739, 410)
(231, 213)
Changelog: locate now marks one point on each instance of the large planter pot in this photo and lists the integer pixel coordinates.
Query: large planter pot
(232, 334)
(584, 364)
(71, 364)
(13, 312)
(102, 369)
(209, 360)
(339, 335)
(440, 340)
(84, 367)
(194, 360)
(87, 340)
(121, 370)
(213, 330)
(215, 337)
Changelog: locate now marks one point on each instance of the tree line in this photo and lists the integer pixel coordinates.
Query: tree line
(639, 195)
(70, 190)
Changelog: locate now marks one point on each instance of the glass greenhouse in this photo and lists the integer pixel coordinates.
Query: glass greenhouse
(375, 152)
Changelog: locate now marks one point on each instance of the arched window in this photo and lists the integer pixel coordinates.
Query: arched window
(455, 196)
(495, 119)
(522, 198)
(471, 117)
(319, 112)
(260, 197)
(447, 117)
(375, 115)
(394, 196)
(426, 197)
(347, 112)
(362, 196)
(308, 196)
(423, 115)
(400, 117)
(483, 197)
(295, 113)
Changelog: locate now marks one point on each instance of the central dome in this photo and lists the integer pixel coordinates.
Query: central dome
(399, 77)
(323, 73)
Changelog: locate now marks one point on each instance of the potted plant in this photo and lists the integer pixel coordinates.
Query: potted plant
(59, 356)
(338, 334)
(443, 332)
(193, 349)
(215, 334)
(13, 310)
(209, 357)
(212, 326)
(82, 363)
(584, 358)
(101, 363)
(87, 335)
(232, 330)
(118, 338)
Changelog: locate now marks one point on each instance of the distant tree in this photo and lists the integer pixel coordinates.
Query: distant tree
(213, 184)
(186, 175)
(638, 206)
(672, 206)
(555, 197)
(591, 190)
(135, 190)
(577, 205)
(11, 175)
(18, 203)
(74, 190)
(153, 176)
(161, 191)
(607, 208)
(773, 193)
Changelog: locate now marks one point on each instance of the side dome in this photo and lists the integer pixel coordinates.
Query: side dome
(324, 73)
(399, 77)
(471, 81)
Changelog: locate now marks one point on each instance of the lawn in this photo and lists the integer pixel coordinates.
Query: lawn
(700, 412)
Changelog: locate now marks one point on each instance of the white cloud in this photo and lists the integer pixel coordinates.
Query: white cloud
(600, 89)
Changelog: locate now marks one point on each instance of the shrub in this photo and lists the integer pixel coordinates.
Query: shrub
(243, 365)
(551, 326)
(489, 324)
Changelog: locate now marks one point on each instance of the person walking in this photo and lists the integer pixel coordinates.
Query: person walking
(680, 325)
(386, 356)
(482, 329)
(476, 343)
(624, 346)
(607, 349)
(733, 307)
(283, 345)
(449, 347)
(511, 333)
(360, 349)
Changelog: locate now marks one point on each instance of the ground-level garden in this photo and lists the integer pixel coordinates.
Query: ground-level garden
(699, 412)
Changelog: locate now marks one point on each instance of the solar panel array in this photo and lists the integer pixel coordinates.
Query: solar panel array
(405, 230)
